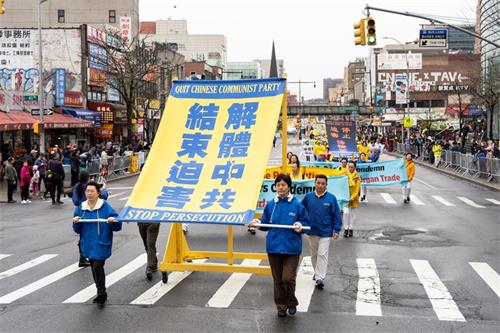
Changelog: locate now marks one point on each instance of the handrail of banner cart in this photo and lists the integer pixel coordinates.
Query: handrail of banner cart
(278, 226)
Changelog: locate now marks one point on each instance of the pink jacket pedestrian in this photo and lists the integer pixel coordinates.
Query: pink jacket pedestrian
(25, 176)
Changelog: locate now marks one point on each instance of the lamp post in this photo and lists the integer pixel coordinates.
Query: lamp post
(299, 82)
(40, 78)
(407, 113)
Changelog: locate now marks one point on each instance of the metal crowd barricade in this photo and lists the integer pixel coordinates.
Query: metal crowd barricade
(93, 167)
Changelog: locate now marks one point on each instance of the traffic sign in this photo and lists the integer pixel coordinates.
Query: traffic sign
(434, 38)
(30, 98)
(408, 122)
(46, 112)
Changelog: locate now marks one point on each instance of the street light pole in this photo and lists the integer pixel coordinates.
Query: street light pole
(407, 113)
(40, 78)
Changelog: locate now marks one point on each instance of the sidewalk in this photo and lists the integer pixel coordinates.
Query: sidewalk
(3, 187)
(494, 186)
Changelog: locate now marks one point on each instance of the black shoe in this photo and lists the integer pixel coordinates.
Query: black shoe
(101, 299)
(350, 233)
(408, 199)
(363, 198)
(60, 202)
(282, 313)
(83, 263)
(346, 233)
(11, 201)
(292, 310)
(405, 201)
(320, 284)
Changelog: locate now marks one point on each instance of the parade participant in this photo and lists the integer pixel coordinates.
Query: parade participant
(289, 157)
(149, 234)
(11, 176)
(296, 173)
(25, 183)
(363, 148)
(78, 196)
(284, 246)
(324, 218)
(343, 166)
(294, 159)
(354, 185)
(410, 173)
(319, 151)
(437, 150)
(362, 159)
(96, 237)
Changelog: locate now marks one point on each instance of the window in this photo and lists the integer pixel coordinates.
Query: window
(112, 16)
(60, 15)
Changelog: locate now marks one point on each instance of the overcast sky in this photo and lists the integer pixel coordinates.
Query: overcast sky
(314, 37)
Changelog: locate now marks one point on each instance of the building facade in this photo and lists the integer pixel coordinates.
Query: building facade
(265, 65)
(243, 70)
(195, 47)
(459, 41)
(330, 83)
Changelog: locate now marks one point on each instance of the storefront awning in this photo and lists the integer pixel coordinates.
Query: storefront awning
(16, 120)
(92, 116)
(58, 120)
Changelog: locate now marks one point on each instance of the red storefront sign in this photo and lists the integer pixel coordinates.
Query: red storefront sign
(73, 98)
(106, 110)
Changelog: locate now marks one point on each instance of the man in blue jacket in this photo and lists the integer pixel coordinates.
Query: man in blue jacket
(325, 222)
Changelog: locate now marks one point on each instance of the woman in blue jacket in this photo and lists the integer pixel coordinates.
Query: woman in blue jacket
(96, 238)
(284, 246)
(78, 196)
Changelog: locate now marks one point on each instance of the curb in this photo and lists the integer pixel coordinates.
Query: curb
(130, 175)
(450, 173)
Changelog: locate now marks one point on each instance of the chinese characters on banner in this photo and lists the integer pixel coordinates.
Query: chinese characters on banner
(126, 29)
(341, 133)
(210, 153)
(16, 48)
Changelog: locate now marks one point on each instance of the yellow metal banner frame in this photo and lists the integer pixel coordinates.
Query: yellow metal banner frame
(178, 256)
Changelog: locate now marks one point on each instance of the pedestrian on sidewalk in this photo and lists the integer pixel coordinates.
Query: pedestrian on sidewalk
(57, 169)
(41, 164)
(35, 182)
(324, 218)
(11, 175)
(25, 183)
(96, 237)
(149, 234)
(78, 196)
(284, 246)
(410, 173)
(354, 187)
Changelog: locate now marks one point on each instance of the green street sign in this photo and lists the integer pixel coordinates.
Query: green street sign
(30, 98)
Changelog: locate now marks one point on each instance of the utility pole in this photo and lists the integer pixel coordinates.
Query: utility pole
(40, 78)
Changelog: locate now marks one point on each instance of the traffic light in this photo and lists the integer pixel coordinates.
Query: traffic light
(2, 8)
(37, 126)
(359, 33)
(371, 33)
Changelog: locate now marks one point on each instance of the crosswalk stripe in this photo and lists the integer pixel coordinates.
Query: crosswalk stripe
(488, 274)
(121, 188)
(116, 194)
(3, 256)
(43, 282)
(368, 298)
(153, 294)
(123, 199)
(89, 292)
(444, 202)
(441, 300)
(27, 265)
(388, 198)
(225, 295)
(416, 200)
(304, 284)
(493, 201)
(470, 202)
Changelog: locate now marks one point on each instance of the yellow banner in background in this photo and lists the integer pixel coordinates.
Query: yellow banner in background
(307, 171)
(207, 160)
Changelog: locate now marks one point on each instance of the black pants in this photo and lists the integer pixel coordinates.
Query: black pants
(149, 234)
(98, 275)
(82, 257)
(284, 271)
(11, 185)
(56, 187)
(25, 192)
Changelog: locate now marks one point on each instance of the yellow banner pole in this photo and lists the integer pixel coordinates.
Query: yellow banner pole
(230, 250)
(284, 127)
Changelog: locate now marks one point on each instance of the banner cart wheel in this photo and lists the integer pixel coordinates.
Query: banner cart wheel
(164, 277)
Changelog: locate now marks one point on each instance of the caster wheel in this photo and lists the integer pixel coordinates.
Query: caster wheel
(164, 277)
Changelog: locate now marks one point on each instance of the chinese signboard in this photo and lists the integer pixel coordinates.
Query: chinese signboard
(60, 87)
(391, 61)
(341, 133)
(126, 29)
(105, 109)
(16, 48)
(210, 153)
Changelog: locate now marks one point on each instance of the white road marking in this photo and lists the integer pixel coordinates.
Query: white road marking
(421, 181)
(444, 202)
(305, 284)
(416, 200)
(368, 298)
(225, 295)
(89, 292)
(27, 265)
(120, 188)
(116, 194)
(388, 198)
(43, 282)
(2, 256)
(123, 199)
(153, 294)
(488, 274)
(470, 202)
(441, 300)
(493, 201)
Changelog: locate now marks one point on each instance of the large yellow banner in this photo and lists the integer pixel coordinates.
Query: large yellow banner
(209, 155)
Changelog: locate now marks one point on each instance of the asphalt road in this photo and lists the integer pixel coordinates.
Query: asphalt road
(429, 266)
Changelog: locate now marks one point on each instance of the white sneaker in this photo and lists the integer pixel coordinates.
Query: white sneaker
(185, 227)
(23, 202)
(28, 201)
